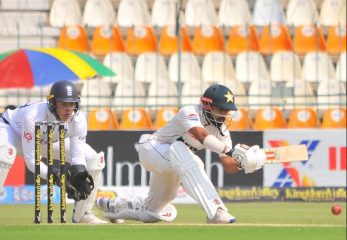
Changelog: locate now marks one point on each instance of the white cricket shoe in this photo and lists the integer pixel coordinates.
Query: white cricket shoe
(222, 217)
(108, 205)
(89, 218)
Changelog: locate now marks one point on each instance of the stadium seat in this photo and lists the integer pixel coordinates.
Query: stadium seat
(102, 119)
(192, 92)
(168, 43)
(38, 93)
(334, 118)
(275, 38)
(190, 69)
(217, 67)
(302, 12)
(341, 68)
(336, 42)
(65, 13)
(318, 67)
(267, 12)
(331, 93)
(242, 38)
(98, 13)
(250, 66)
(121, 64)
(240, 121)
(129, 94)
(330, 11)
(162, 93)
(342, 14)
(269, 118)
(302, 118)
(234, 13)
(140, 39)
(308, 39)
(207, 39)
(95, 93)
(259, 95)
(285, 67)
(200, 13)
(107, 39)
(150, 67)
(133, 13)
(164, 13)
(301, 95)
(73, 38)
(135, 119)
(163, 115)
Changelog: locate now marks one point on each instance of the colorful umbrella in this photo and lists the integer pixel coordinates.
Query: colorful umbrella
(26, 68)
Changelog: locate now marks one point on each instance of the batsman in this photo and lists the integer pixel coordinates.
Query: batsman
(169, 154)
(17, 129)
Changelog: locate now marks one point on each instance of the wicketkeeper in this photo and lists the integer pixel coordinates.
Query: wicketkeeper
(17, 138)
(169, 154)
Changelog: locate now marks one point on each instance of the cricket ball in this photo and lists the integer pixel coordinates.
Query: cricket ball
(336, 209)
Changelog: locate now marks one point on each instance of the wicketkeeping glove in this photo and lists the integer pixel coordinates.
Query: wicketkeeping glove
(79, 183)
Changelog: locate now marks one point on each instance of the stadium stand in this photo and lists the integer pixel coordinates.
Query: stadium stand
(65, 13)
(102, 119)
(98, 13)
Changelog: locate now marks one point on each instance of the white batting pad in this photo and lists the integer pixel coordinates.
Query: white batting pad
(7, 157)
(194, 178)
(94, 168)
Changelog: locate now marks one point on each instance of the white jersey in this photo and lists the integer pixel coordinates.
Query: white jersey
(22, 120)
(187, 118)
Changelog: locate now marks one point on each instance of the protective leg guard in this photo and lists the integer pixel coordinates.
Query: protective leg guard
(121, 208)
(194, 178)
(83, 209)
(7, 157)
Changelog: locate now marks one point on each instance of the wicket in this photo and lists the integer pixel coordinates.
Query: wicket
(50, 126)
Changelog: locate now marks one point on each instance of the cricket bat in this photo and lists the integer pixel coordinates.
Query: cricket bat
(291, 153)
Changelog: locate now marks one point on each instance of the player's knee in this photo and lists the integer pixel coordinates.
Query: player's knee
(96, 163)
(182, 159)
(7, 154)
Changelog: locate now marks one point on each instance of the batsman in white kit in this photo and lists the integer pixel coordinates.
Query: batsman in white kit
(169, 154)
(17, 138)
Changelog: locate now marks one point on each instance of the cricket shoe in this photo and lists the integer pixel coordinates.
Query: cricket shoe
(89, 218)
(108, 205)
(222, 217)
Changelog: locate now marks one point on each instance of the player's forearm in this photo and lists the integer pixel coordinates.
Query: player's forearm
(30, 163)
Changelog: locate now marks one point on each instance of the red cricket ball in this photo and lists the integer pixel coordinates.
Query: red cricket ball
(336, 209)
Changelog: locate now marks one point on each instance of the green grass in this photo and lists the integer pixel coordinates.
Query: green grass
(256, 220)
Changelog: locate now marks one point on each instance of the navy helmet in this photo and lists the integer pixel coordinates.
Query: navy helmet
(62, 91)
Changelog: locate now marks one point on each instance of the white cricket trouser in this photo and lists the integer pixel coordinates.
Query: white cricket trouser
(164, 182)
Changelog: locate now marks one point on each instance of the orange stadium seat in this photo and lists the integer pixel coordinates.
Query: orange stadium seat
(308, 39)
(275, 38)
(163, 115)
(207, 39)
(334, 118)
(240, 121)
(140, 39)
(336, 42)
(242, 38)
(302, 118)
(168, 43)
(73, 38)
(107, 39)
(102, 119)
(135, 119)
(269, 118)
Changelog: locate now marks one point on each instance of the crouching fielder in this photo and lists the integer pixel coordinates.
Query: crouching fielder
(169, 154)
(17, 135)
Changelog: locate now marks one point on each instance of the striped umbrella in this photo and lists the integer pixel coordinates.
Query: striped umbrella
(26, 68)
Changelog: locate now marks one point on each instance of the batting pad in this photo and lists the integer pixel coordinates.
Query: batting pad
(194, 178)
(94, 168)
(7, 156)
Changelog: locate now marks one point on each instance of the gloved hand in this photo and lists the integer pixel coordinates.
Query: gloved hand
(79, 183)
(250, 158)
(56, 177)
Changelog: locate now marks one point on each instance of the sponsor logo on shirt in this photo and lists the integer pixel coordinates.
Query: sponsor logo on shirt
(27, 136)
(193, 117)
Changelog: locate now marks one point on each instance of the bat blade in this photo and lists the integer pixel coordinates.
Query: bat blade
(291, 153)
